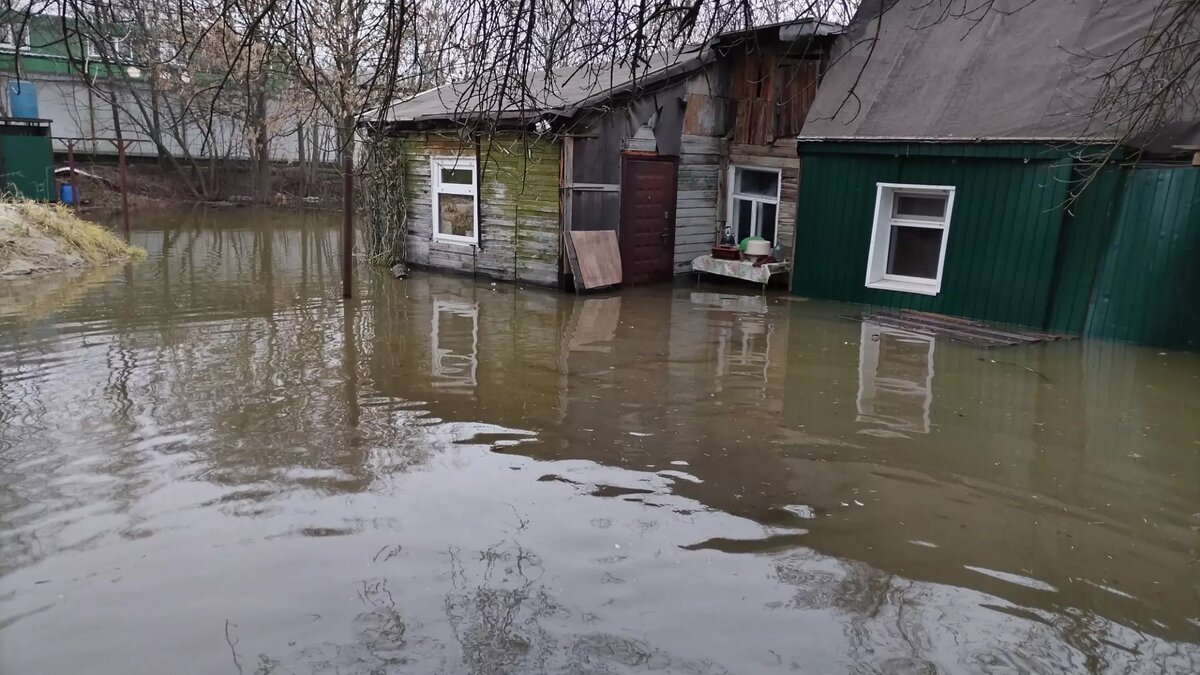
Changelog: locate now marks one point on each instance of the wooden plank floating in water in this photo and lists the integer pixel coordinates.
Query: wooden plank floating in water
(968, 331)
(598, 256)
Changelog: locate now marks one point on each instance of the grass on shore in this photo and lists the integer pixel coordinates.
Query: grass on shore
(96, 244)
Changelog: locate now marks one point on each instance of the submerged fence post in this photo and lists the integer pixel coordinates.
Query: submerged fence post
(347, 224)
(124, 187)
(71, 173)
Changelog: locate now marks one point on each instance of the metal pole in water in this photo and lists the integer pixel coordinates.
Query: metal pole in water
(71, 173)
(347, 224)
(124, 187)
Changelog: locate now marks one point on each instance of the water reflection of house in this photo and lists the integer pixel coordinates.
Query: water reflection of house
(1005, 462)
(747, 357)
(895, 379)
(468, 352)
(1014, 463)
(454, 344)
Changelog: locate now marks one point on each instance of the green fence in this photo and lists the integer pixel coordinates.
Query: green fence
(1148, 289)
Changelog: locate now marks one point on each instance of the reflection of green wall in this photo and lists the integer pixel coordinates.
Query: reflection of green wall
(1110, 263)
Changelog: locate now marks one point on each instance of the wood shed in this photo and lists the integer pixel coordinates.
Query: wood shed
(670, 156)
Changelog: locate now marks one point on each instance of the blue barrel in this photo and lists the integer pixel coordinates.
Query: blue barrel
(22, 99)
(66, 194)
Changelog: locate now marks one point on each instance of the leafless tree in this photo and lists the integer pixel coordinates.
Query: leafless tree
(1151, 85)
(346, 53)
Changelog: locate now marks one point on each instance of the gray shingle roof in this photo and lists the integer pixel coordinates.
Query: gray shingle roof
(564, 92)
(570, 89)
(1022, 71)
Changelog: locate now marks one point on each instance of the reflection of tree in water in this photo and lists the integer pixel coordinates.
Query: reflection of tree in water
(381, 629)
(896, 625)
(384, 641)
(496, 607)
(494, 612)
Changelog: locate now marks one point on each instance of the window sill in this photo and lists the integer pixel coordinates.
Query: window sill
(465, 243)
(904, 286)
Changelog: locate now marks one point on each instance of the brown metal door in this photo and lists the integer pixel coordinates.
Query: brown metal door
(647, 234)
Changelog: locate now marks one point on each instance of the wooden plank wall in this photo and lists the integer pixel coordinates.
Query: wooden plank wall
(772, 94)
(697, 216)
(518, 201)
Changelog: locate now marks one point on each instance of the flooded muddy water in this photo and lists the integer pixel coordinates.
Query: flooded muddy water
(210, 464)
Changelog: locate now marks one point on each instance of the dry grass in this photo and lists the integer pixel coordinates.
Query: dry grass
(93, 242)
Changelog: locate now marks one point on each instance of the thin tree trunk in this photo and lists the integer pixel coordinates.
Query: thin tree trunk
(300, 163)
(262, 159)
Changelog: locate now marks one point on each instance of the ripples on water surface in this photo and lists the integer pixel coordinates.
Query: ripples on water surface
(208, 464)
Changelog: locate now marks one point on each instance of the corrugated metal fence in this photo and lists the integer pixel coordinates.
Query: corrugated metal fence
(1148, 289)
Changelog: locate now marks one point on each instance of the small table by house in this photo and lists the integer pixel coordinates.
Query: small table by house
(745, 270)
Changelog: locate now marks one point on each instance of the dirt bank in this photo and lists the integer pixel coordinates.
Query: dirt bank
(37, 238)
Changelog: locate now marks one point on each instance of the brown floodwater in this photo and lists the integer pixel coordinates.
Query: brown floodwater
(211, 464)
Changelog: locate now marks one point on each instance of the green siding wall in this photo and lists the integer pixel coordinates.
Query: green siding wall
(1087, 227)
(1001, 243)
(1149, 286)
(1116, 261)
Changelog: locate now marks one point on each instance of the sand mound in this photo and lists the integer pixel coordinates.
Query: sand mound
(37, 238)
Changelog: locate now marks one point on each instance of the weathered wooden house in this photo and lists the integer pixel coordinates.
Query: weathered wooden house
(664, 155)
(967, 165)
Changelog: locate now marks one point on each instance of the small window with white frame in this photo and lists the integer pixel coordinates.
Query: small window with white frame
(12, 36)
(455, 207)
(122, 49)
(753, 202)
(908, 237)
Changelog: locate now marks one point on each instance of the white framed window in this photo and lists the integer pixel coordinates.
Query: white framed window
(455, 199)
(12, 38)
(895, 380)
(908, 238)
(753, 209)
(121, 49)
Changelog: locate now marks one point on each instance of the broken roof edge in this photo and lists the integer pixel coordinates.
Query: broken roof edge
(1006, 147)
(703, 56)
(692, 58)
(1058, 140)
(820, 28)
(681, 62)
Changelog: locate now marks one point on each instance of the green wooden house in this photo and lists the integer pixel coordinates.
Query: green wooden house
(962, 165)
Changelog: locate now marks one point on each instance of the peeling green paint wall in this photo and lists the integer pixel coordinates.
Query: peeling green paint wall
(519, 218)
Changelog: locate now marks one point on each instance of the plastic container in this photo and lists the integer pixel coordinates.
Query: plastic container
(758, 247)
(22, 99)
(66, 194)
